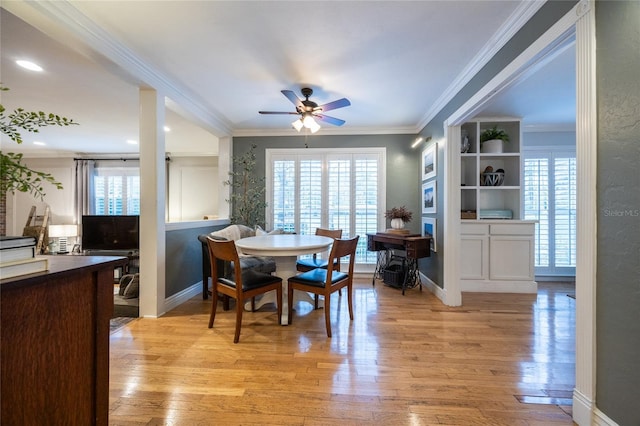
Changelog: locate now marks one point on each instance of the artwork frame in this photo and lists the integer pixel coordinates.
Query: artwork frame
(429, 197)
(430, 161)
(429, 228)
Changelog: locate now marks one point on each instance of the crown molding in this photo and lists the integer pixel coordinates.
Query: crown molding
(326, 131)
(63, 19)
(509, 28)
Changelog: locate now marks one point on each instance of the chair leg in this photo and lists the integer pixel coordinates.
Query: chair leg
(239, 309)
(279, 304)
(214, 306)
(327, 313)
(290, 307)
(253, 304)
(225, 302)
(315, 301)
(350, 299)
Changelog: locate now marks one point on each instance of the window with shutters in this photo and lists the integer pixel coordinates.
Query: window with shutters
(116, 191)
(550, 198)
(334, 189)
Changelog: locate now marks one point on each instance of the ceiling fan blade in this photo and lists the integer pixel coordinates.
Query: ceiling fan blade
(277, 112)
(330, 120)
(293, 98)
(340, 103)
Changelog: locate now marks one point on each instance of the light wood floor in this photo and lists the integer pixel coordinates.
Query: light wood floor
(500, 359)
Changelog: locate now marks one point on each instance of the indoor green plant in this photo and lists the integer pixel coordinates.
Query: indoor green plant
(14, 174)
(247, 191)
(492, 139)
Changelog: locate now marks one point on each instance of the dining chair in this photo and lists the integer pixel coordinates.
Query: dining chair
(324, 281)
(245, 285)
(309, 263)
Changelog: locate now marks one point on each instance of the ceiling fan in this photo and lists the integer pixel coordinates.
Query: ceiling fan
(309, 110)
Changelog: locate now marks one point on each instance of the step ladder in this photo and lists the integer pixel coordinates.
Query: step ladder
(37, 227)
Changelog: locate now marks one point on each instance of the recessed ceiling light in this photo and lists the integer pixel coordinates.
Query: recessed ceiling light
(29, 65)
(39, 143)
(167, 129)
(132, 142)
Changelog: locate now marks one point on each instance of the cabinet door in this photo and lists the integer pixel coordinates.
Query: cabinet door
(511, 257)
(474, 263)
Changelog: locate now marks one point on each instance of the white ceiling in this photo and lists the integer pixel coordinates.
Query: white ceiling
(220, 62)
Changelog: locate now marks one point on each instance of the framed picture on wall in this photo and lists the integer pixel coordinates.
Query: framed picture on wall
(429, 228)
(429, 156)
(429, 197)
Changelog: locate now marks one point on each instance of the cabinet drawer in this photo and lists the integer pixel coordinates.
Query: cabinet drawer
(513, 229)
(475, 229)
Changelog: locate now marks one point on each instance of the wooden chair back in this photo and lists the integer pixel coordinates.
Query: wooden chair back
(332, 233)
(256, 282)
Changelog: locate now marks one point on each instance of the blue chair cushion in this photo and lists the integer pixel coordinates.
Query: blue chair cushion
(318, 277)
(252, 280)
(312, 263)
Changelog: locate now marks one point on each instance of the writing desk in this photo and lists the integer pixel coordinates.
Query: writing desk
(415, 246)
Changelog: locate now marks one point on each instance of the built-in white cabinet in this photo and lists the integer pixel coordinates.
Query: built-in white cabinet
(496, 246)
(478, 196)
(497, 256)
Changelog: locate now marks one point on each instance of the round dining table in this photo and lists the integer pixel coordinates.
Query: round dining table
(285, 249)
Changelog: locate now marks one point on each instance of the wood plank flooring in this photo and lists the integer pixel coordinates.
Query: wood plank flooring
(500, 359)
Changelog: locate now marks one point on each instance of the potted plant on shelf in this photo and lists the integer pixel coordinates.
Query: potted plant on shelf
(493, 139)
(399, 216)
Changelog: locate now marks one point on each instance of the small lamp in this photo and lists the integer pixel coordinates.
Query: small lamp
(62, 232)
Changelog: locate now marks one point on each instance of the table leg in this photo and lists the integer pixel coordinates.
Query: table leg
(285, 268)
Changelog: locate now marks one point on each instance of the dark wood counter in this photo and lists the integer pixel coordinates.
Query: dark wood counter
(55, 342)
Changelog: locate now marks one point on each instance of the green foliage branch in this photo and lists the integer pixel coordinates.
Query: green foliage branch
(494, 133)
(14, 174)
(247, 191)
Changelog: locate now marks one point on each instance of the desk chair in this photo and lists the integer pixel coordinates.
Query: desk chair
(246, 283)
(321, 281)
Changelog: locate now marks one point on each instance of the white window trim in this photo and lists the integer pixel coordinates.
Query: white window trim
(550, 152)
(332, 153)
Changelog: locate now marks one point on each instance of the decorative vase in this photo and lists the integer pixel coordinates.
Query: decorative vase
(397, 223)
(493, 146)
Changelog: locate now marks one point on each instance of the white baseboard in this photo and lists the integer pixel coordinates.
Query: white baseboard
(601, 419)
(586, 414)
(481, 286)
(434, 288)
(182, 296)
(581, 409)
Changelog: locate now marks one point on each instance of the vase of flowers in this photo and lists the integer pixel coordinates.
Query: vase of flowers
(399, 217)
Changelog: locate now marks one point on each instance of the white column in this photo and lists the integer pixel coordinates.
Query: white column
(152, 204)
(584, 393)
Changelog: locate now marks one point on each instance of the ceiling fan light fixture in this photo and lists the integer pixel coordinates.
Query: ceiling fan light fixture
(308, 121)
(297, 124)
(314, 127)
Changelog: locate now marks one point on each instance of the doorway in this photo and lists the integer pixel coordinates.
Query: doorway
(578, 23)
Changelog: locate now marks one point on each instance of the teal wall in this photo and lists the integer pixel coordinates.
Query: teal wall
(183, 267)
(618, 200)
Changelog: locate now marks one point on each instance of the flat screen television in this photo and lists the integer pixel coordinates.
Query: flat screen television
(110, 232)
